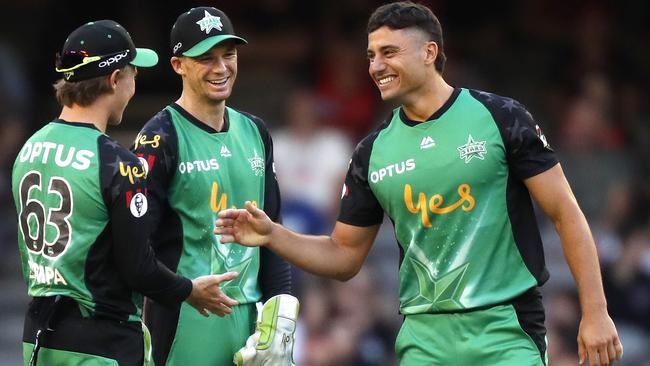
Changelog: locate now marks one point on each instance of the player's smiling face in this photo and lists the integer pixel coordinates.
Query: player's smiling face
(397, 62)
(212, 74)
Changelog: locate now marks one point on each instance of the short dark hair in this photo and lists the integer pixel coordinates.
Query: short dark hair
(406, 14)
(82, 93)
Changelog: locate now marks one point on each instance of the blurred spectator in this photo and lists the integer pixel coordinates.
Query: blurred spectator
(562, 324)
(591, 147)
(627, 280)
(345, 87)
(14, 96)
(627, 286)
(311, 161)
(634, 114)
(343, 324)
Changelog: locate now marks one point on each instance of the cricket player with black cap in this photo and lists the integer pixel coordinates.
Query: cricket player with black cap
(204, 157)
(83, 221)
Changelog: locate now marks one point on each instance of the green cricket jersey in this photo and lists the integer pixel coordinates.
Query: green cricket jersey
(453, 188)
(81, 202)
(195, 172)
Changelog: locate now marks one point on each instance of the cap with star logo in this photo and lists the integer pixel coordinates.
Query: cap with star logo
(98, 48)
(198, 30)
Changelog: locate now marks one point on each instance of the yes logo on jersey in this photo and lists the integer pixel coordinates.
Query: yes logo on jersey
(141, 140)
(435, 204)
(132, 172)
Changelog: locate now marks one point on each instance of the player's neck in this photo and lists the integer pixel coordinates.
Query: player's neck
(426, 101)
(209, 113)
(90, 115)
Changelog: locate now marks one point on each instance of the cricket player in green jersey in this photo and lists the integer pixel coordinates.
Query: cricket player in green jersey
(83, 216)
(203, 157)
(454, 169)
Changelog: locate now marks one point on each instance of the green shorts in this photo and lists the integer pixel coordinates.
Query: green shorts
(492, 337)
(210, 341)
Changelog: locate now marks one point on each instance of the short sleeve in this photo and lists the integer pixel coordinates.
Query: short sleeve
(359, 206)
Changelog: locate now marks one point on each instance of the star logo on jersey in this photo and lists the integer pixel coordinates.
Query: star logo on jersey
(472, 149)
(438, 292)
(209, 22)
(541, 136)
(257, 164)
(235, 258)
(225, 152)
(427, 142)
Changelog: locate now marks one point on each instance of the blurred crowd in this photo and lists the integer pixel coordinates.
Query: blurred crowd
(581, 68)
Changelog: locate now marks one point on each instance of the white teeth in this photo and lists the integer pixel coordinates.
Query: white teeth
(386, 80)
(218, 81)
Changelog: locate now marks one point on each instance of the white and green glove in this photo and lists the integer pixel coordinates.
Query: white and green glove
(272, 342)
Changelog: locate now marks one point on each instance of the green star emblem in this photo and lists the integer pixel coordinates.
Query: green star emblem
(234, 258)
(442, 292)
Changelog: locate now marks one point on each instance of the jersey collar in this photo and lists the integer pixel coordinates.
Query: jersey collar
(198, 123)
(437, 114)
(76, 124)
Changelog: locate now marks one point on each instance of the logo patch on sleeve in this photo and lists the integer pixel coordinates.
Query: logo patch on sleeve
(541, 136)
(138, 205)
(345, 191)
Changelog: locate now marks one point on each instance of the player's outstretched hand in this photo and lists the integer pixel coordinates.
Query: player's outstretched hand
(207, 297)
(249, 226)
(598, 341)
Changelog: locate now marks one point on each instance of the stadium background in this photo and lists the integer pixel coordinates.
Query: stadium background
(581, 67)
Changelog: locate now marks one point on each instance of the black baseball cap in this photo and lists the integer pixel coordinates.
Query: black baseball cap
(98, 48)
(198, 30)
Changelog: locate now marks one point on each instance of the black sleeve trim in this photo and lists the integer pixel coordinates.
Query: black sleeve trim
(527, 150)
(275, 273)
(359, 206)
(123, 183)
(272, 198)
(157, 146)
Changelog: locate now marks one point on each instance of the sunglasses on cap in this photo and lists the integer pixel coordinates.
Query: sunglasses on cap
(72, 60)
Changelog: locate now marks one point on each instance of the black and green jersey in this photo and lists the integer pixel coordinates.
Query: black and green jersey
(453, 188)
(195, 172)
(81, 202)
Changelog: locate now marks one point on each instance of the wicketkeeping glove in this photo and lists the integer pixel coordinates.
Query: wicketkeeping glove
(272, 342)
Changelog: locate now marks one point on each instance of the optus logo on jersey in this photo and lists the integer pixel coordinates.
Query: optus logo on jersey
(114, 59)
(434, 205)
(63, 156)
(198, 166)
(393, 169)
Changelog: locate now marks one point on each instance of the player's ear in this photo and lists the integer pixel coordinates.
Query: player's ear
(177, 65)
(113, 78)
(431, 52)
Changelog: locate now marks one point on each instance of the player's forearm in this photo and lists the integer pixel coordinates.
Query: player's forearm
(582, 258)
(319, 255)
